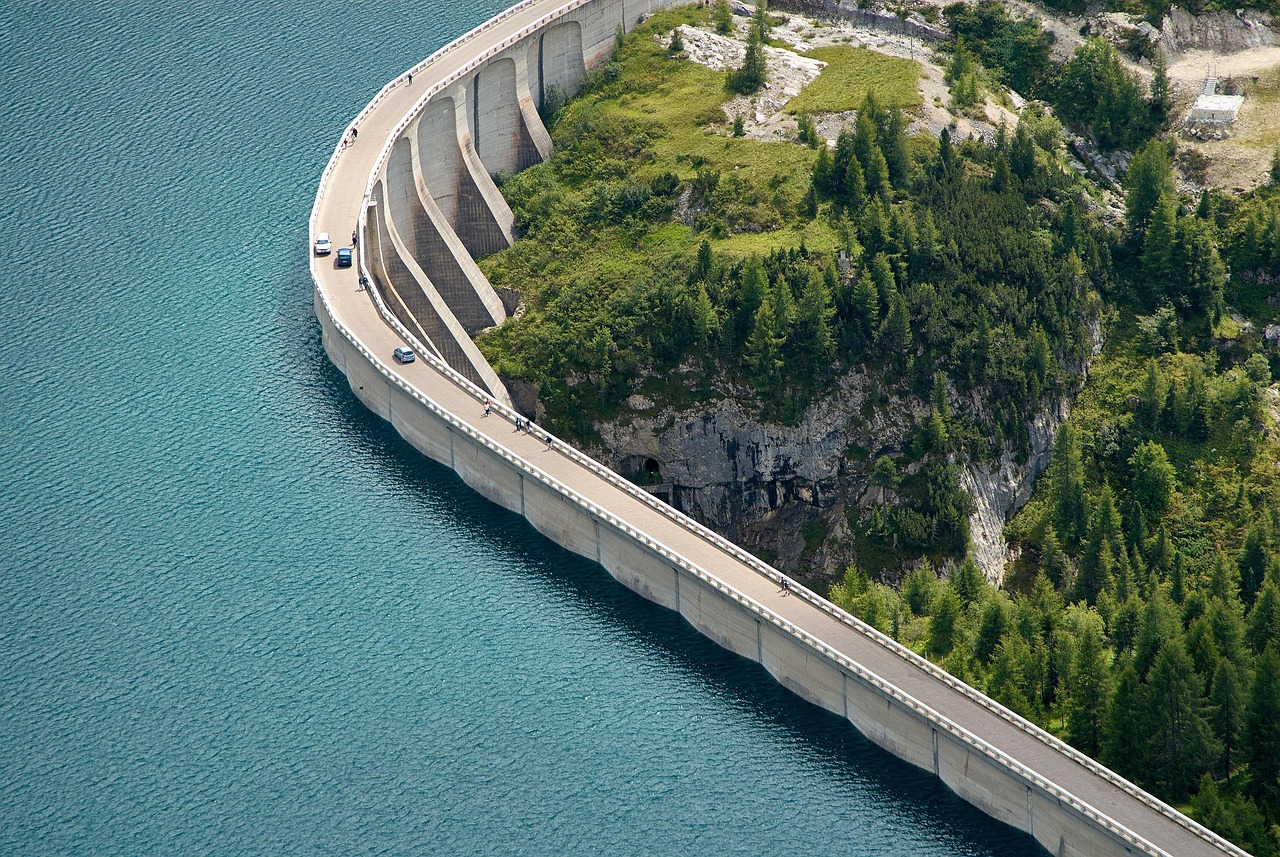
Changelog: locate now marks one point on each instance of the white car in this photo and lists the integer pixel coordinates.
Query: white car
(323, 244)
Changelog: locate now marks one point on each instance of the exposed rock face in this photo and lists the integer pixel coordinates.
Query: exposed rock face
(1223, 32)
(763, 485)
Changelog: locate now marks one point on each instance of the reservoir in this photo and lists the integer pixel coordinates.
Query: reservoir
(238, 615)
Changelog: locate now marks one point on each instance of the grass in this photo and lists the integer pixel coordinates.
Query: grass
(853, 72)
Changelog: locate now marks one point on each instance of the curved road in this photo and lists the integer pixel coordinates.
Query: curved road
(338, 206)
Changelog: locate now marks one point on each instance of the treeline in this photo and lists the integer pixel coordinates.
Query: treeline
(1093, 90)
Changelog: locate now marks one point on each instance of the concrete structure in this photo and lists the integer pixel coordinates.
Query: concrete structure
(1213, 109)
(417, 184)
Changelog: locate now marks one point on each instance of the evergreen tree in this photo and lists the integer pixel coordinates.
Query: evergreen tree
(1264, 619)
(824, 172)
(1088, 688)
(1153, 477)
(1158, 249)
(1149, 177)
(866, 307)
(705, 319)
(755, 285)
(677, 44)
(1198, 270)
(920, 588)
(968, 581)
(942, 622)
(994, 624)
(814, 339)
(1161, 95)
(1022, 153)
(1053, 562)
(723, 17)
(1253, 561)
(1262, 728)
(1183, 746)
(1125, 734)
(764, 348)
(1159, 626)
(1228, 717)
(854, 187)
(1070, 514)
(1275, 166)
(751, 76)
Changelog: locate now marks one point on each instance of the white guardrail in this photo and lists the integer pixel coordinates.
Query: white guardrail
(842, 616)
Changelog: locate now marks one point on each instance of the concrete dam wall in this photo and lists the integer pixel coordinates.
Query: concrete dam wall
(419, 184)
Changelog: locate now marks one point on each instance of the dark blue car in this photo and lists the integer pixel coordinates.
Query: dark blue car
(344, 257)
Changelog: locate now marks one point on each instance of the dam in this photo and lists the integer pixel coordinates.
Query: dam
(413, 177)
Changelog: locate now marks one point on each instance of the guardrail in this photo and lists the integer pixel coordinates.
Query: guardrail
(852, 667)
(770, 573)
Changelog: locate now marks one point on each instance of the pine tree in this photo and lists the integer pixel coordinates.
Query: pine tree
(968, 581)
(1275, 166)
(677, 43)
(824, 172)
(1088, 688)
(1161, 102)
(1153, 477)
(1053, 563)
(764, 348)
(762, 19)
(994, 624)
(1125, 735)
(813, 325)
(751, 76)
(1158, 249)
(854, 187)
(942, 622)
(723, 17)
(1264, 619)
(1183, 745)
(1262, 728)
(866, 307)
(755, 285)
(1228, 718)
(1069, 507)
(1149, 177)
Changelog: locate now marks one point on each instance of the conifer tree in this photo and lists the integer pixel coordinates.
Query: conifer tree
(1088, 688)
(813, 324)
(1149, 177)
(942, 622)
(1184, 746)
(761, 19)
(1158, 248)
(723, 17)
(677, 44)
(1161, 102)
(1069, 506)
(854, 187)
(824, 172)
(1228, 700)
(1262, 729)
(764, 348)
(750, 77)
(1125, 734)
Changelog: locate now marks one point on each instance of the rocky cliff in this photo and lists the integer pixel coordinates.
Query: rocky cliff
(794, 493)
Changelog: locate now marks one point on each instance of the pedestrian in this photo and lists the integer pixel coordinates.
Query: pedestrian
(786, 585)
(410, 78)
(355, 237)
(486, 407)
(355, 132)
(548, 440)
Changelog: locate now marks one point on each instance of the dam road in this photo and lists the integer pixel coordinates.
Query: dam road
(412, 177)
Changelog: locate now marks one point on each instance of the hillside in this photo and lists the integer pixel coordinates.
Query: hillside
(851, 340)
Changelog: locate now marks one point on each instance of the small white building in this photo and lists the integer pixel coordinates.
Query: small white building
(1213, 109)
(1216, 109)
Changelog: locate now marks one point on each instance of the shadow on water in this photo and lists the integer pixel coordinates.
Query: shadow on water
(745, 685)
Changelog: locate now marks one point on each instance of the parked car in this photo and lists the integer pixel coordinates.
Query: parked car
(404, 354)
(323, 244)
(344, 257)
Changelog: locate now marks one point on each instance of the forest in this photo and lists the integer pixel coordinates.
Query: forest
(1140, 616)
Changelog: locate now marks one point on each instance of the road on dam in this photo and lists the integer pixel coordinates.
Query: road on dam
(339, 204)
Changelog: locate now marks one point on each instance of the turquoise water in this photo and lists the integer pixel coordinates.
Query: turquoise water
(237, 614)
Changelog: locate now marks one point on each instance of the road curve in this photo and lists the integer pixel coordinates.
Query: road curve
(1150, 826)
